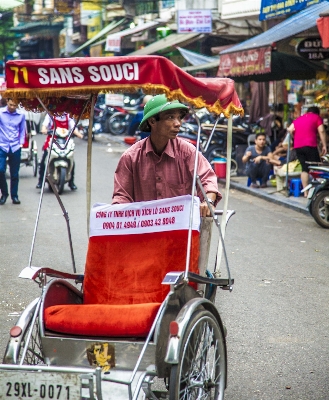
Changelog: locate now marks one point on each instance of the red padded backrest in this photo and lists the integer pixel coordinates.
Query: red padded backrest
(129, 269)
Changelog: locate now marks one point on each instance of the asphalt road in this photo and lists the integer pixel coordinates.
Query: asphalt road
(276, 315)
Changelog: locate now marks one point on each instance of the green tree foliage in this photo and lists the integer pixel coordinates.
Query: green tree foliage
(8, 39)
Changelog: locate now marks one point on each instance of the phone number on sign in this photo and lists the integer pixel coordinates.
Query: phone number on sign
(139, 224)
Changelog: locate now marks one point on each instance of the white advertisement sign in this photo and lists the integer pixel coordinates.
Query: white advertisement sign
(194, 21)
(144, 217)
(114, 99)
(113, 43)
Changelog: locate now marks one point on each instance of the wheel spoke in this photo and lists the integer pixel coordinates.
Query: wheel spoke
(34, 354)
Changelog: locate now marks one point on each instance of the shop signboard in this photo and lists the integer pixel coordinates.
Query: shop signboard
(311, 49)
(113, 43)
(248, 62)
(194, 21)
(276, 8)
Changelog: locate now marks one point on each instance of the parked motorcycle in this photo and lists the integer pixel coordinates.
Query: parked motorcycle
(61, 159)
(318, 194)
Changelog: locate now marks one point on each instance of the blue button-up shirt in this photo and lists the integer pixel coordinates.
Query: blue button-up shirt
(12, 130)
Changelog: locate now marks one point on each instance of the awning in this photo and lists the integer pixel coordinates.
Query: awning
(113, 42)
(196, 58)
(201, 67)
(168, 42)
(282, 66)
(37, 27)
(298, 23)
(104, 31)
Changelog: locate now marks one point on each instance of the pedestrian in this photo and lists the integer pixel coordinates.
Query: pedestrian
(259, 160)
(162, 165)
(304, 131)
(62, 121)
(12, 137)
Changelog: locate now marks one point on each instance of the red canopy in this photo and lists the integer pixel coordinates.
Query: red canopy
(62, 83)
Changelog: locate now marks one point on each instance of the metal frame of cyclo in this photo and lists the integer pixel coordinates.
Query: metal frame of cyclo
(196, 181)
(225, 216)
(51, 183)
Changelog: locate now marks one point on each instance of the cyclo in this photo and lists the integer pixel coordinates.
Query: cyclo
(136, 320)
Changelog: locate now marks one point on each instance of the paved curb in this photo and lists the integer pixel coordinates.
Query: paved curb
(288, 202)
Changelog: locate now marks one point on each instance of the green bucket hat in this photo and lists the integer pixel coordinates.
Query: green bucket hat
(157, 105)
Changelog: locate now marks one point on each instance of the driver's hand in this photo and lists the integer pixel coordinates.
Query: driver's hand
(204, 209)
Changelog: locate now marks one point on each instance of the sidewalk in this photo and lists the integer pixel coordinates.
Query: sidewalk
(270, 194)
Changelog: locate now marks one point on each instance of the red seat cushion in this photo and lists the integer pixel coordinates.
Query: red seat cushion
(122, 284)
(102, 319)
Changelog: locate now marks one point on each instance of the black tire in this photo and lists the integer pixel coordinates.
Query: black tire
(61, 180)
(35, 164)
(117, 124)
(320, 210)
(201, 371)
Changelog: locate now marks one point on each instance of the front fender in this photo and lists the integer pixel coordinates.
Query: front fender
(14, 343)
(183, 318)
(61, 163)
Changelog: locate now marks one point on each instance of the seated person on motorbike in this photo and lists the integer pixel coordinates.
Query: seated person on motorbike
(62, 121)
(259, 160)
(162, 165)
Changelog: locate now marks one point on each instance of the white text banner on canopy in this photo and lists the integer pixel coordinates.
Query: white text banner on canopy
(144, 217)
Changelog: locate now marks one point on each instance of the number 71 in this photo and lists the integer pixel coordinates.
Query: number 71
(23, 70)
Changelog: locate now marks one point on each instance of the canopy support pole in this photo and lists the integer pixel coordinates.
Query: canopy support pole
(51, 183)
(217, 273)
(195, 174)
(287, 171)
(89, 148)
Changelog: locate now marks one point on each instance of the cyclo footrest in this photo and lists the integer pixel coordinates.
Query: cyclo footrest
(223, 283)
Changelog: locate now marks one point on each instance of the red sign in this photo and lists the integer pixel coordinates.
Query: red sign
(249, 62)
(77, 77)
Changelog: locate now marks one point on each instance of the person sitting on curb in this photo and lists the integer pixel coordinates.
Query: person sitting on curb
(259, 160)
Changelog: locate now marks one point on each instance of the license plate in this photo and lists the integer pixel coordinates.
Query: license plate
(310, 193)
(39, 385)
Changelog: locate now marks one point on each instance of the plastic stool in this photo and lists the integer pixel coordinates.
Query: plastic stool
(296, 187)
(249, 181)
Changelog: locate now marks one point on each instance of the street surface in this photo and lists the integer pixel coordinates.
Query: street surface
(276, 316)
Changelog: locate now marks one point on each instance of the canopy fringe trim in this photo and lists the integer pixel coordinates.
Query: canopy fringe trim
(20, 95)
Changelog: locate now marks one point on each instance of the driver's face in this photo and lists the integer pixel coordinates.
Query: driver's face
(169, 123)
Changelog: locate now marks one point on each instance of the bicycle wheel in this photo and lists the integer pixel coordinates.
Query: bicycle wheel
(201, 371)
(34, 354)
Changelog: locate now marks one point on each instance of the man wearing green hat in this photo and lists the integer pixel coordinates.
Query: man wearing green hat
(162, 165)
